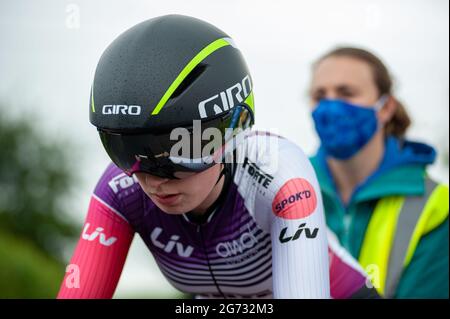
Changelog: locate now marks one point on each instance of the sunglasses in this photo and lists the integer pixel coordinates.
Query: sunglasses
(158, 153)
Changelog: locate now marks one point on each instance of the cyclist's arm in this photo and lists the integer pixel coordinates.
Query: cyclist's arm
(282, 193)
(307, 259)
(100, 254)
(347, 278)
(299, 239)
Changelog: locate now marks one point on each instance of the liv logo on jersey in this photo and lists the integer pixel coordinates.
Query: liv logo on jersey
(98, 233)
(173, 242)
(301, 229)
(296, 199)
(227, 99)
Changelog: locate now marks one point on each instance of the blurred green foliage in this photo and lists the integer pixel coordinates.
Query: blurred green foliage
(26, 272)
(35, 181)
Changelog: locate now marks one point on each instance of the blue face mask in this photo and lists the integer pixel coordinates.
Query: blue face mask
(344, 128)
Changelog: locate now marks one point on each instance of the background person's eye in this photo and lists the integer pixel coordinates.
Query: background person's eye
(317, 96)
(346, 92)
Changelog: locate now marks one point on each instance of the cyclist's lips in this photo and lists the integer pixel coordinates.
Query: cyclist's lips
(166, 199)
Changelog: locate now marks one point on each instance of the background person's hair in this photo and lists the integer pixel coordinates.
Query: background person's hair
(400, 121)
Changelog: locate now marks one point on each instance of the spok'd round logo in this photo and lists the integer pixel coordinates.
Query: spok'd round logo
(296, 199)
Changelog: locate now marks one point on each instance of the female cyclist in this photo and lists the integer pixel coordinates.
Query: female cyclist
(226, 212)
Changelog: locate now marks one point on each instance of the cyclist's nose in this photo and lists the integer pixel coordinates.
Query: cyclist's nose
(151, 182)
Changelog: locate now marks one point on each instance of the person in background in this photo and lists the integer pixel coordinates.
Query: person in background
(378, 199)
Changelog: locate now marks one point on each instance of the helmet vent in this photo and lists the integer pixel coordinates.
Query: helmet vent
(189, 79)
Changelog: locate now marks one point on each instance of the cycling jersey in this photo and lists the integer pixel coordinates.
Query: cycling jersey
(266, 238)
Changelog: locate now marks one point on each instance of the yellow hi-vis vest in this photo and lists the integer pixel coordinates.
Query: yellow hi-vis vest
(395, 229)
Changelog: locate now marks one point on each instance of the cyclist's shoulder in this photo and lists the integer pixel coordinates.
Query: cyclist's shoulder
(270, 157)
(114, 180)
(116, 189)
(257, 162)
(270, 169)
(268, 149)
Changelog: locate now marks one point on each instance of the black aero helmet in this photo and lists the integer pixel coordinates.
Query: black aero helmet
(162, 74)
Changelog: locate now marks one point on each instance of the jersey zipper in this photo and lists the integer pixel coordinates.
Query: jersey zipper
(199, 230)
